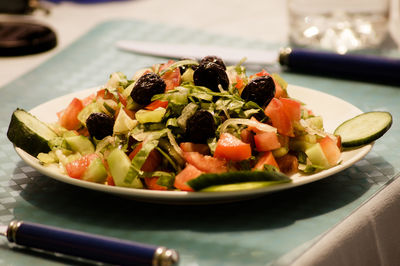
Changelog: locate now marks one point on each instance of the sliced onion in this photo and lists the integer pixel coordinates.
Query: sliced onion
(310, 130)
(248, 122)
(175, 145)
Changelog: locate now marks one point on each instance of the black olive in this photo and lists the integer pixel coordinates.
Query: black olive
(100, 125)
(260, 90)
(146, 87)
(213, 59)
(200, 127)
(211, 75)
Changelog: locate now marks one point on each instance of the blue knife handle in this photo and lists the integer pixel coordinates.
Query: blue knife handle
(356, 66)
(93, 247)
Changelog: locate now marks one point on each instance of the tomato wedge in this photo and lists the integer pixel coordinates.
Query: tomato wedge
(239, 83)
(69, 117)
(77, 168)
(151, 183)
(155, 104)
(266, 158)
(205, 163)
(190, 172)
(231, 148)
(275, 111)
(330, 149)
(266, 141)
(262, 73)
(292, 108)
(152, 161)
(110, 180)
(171, 78)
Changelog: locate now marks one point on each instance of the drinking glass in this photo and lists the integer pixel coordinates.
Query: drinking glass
(339, 25)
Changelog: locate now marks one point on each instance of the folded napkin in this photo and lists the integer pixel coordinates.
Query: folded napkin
(370, 236)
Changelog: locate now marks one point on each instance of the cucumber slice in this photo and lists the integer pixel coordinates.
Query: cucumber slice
(80, 144)
(241, 186)
(212, 179)
(29, 133)
(364, 128)
(147, 116)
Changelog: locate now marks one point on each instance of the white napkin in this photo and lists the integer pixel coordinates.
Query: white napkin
(370, 236)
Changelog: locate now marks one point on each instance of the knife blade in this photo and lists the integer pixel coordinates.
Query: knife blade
(87, 246)
(365, 67)
(230, 55)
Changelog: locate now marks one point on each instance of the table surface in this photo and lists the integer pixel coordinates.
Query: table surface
(270, 230)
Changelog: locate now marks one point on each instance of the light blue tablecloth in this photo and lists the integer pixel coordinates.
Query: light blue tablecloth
(254, 232)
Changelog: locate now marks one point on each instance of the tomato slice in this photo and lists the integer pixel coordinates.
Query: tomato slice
(292, 108)
(157, 103)
(69, 117)
(171, 78)
(266, 141)
(205, 163)
(231, 148)
(151, 183)
(262, 73)
(266, 158)
(330, 149)
(152, 161)
(75, 169)
(122, 99)
(103, 93)
(239, 83)
(190, 172)
(110, 180)
(275, 111)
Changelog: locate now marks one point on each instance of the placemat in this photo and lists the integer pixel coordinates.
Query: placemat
(254, 232)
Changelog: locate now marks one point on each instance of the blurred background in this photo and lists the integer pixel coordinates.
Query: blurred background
(261, 19)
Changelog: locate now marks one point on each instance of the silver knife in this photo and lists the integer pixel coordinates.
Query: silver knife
(229, 55)
(310, 61)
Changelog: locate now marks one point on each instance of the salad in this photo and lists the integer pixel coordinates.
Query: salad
(191, 126)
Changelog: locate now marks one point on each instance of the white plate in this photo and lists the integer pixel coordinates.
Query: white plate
(333, 110)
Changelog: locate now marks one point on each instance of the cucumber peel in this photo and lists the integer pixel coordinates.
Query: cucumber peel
(213, 179)
(241, 186)
(29, 133)
(364, 128)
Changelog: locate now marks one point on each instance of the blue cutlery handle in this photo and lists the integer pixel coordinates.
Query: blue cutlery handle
(89, 246)
(356, 66)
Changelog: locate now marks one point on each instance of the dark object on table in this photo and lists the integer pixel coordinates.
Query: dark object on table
(88, 246)
(22, 38)
(21, 6)
(364, 67)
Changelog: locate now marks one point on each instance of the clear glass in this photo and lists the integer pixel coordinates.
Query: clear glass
(339, 25)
